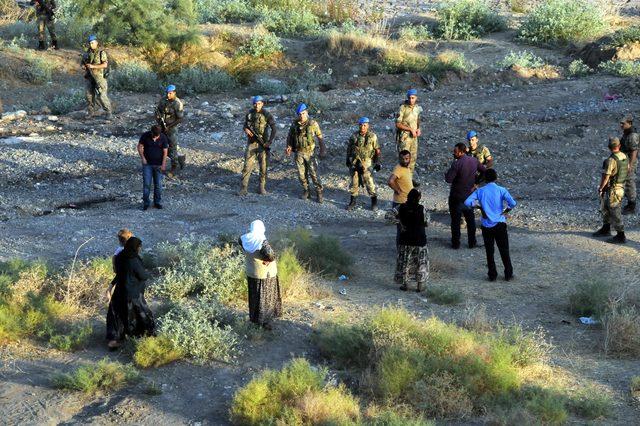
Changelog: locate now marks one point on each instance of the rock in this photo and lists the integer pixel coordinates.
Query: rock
(204, 104)
(228, 115)
(50, 128)
(217, 136)
(603, 50)
(12, 116)
(362, 232)
(98, 187)
(53, 118)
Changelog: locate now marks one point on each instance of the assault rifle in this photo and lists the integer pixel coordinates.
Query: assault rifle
(258, 138)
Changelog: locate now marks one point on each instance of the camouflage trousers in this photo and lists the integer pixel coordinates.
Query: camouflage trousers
(44, 22)
(367, 180)
(630, 184)
(96, 93)
(308, 168)
(172, 135)
(411, 145)
(611, 208)
(254, 154)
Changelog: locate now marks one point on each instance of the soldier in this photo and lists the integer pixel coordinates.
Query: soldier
(302, 140)
(408, 126)
(362, 151)
(629, 147)
(169, 113)
(481, 152)
(95, 63)
(45, 10)
(260, 128)
(611, 190)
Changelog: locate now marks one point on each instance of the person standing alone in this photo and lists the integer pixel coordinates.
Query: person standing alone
(153, 150)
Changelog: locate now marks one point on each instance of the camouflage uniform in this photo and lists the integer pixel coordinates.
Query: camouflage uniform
(263, 124)
(95, 81)
(302, 141)
(611, 201)
(481, 153)
(172, 111)
(362, 149)
(628, 143)
(409, 116)
(44, 16)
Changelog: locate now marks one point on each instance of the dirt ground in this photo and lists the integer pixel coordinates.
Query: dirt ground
(548, 139)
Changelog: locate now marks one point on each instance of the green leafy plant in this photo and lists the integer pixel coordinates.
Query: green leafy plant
(578, 68)
(134, 76)
(223, 11)
(443, 295)
(290, 22)
(621, 68)
(467, 19)
(626, 36)
(415, 33)
(66, 102)
(199, 80)
(154, 351)
(262, 43)
(103, 376)
(523, 58)
(590, 298)
(322, 254)
(38, 69)
(78, 337)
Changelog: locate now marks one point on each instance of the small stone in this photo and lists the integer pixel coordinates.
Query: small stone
(228, 115)
(362, 232)
(98, 186)
(217, 136)
(53, 118)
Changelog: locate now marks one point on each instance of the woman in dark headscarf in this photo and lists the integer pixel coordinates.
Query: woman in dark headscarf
(129, 314)
(413, 255)
(261, 269)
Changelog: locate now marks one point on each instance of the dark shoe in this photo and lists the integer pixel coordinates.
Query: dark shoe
(54, 44)
(305, 194)
(182, 159)
(618, 239)
(473, 245)
(508, 277)
(158, 206)
(403, 288)
(492, 278)
(415, 183)
(352, 203)
(41, 45)
(145, 207)
(605, 231)
(374, 203)
(418, 289)
(319, 196)
(630, 208)
(455, 246)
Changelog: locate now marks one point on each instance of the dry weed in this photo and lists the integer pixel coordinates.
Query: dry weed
(441, 396)
(350, 43)
(622, 331)
(475, 318)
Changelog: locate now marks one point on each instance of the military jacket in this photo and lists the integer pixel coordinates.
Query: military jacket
(409, 116)
(301, 136)
(44, 7)
(259, 122)
(362, 147)
(616, 167)
(629, 142)
(171, 111)
(95, 57)
(481, 153)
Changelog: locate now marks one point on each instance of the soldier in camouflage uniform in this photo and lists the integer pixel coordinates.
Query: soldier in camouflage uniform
(169, 113)
(363, 151)
(479, 151)
(260, 128)
(45, 10)
(629, 147)
(611, 191)
(408, 126)
(95, 62)
(302, 141)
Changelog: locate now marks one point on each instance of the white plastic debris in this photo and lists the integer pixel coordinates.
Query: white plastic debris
(588, 321)
(343, 291)
(343, 278)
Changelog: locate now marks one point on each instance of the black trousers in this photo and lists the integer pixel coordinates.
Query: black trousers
(457, 209)
(499, 235)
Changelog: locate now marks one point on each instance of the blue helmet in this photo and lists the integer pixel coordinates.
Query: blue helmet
(171, 88)
(92, 37)
(257, 99)
(363, 120)
(412, 92)
(301, 107)
(471, 133)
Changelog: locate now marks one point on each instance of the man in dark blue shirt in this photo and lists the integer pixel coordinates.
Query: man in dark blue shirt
(491, 200)
(462, 177)
(153, 149)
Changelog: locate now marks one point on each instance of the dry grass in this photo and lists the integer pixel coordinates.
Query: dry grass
(84, 289)
(353, 43)
(622, 331)
(475, 318)
(442, 396)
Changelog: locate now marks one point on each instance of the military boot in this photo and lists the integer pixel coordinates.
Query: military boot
(41, 45)
(182, 159)
(305, 194)
(319, 196)
(374, 203)
(618, 239)
(352, 203)
(605, 231)
(54, 44)
(630, 208)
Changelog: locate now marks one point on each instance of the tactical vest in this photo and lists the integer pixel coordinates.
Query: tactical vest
(363, 151)
(304, 136)
(621, 175)
(258, 121)
(255, 267)
(169, 109)
(478, 153)
(93, 57)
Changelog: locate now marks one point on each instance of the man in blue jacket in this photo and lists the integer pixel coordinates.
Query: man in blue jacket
(491, 200)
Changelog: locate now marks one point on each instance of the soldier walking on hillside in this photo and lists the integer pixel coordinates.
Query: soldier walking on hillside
(408, 126)
(260, 128)
(45, 11)
(363, 151)
(302, 141)
(169, 113)
(611, 190)
(95, 63)
(629, 147)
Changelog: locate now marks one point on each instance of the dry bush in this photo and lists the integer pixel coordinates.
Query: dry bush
(33, 279)
(475, 318)
(354, 42)
(332, 405)
(338, 11)
(165, 61)
(84, 287)
(11, 12)
(622, 331)
(442, 396)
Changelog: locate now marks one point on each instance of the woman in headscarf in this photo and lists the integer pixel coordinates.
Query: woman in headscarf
(413, 255)
(262, 276)
(129, 314)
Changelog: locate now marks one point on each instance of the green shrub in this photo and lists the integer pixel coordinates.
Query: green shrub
(222, 11)
(67, 102)
(154, 351)
(290, 22)
(197, 329)
(38, 70)
(290, 271)
(345, 344)
(103, 376)
(269, 86)
(322, 254)
(443, 295)
(78, 337)
(621, 68)
(134, 76)
(547, 407)
(523, 58)
(316, 102)
(578, 68)
(198, 80)
(559, 22)
(590, 298)
(467, 19)
(529, 347)
(634, 384)
(591, 403)
(297, 394)
(37, 315)
(626, 36)
(415, 33)
(261, 44)
(394, 417)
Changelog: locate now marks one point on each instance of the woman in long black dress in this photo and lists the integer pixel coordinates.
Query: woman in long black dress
(261, 269)
(129, 314)
(413, 254)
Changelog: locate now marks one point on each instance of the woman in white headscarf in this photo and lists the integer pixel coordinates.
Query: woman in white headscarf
(262, 276)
